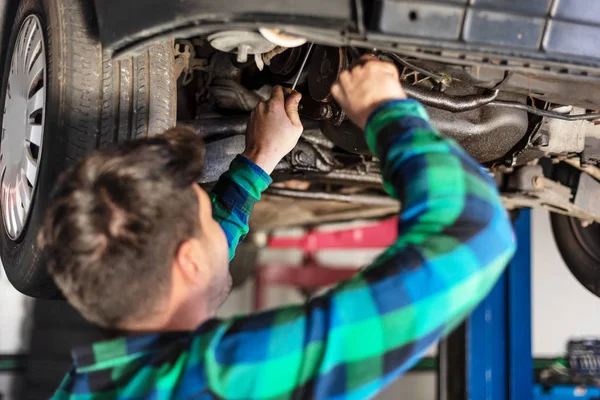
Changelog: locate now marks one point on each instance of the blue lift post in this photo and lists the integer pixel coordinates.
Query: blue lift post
(499, 330)
(490, 357)
(518, 294)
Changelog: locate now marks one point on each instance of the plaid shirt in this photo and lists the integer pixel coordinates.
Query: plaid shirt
(454, 242)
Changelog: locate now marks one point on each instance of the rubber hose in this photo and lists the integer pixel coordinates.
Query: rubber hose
(446, 102)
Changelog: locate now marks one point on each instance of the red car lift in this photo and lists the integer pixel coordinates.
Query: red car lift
(310, 276)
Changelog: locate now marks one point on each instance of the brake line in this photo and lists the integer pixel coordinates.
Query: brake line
(471, 102)
(546, 113)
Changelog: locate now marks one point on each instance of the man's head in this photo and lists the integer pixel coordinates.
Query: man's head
(130, 237)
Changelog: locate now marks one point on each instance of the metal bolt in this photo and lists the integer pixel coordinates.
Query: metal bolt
(325, 111)
(300, 157)
(538, 182)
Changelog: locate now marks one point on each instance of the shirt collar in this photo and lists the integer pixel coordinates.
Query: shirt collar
(122, 349)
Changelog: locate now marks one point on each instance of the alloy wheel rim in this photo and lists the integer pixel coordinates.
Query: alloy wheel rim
(23, 126)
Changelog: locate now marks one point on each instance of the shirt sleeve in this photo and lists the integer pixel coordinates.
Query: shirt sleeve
(454, 242)
(66, 387)
(234, 196)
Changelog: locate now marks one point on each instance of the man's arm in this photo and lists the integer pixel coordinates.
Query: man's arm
(234, 196)
(273, 131)
(454, 242)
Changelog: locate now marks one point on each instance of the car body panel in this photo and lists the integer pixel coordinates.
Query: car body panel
(123, 24)
(564, 31)
(561, 30)
(549, 48)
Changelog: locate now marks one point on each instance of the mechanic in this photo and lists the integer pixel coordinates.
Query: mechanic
(133, 245)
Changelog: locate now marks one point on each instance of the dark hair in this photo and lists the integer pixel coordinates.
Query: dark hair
(116, 222)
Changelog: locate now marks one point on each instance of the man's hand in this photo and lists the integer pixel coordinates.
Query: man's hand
(361, 89)
(273, 130)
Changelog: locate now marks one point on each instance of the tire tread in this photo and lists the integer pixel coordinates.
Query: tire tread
(94, 101)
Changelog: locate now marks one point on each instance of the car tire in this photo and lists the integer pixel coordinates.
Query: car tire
(91, 101)
(579, 246)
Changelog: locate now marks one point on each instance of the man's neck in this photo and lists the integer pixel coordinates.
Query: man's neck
(186, 315)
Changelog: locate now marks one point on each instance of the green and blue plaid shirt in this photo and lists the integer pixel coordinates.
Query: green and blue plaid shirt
(454, 242)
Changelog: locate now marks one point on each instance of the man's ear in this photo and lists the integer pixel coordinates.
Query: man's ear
(188, 261)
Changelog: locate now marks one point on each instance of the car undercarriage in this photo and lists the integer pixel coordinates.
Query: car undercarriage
(517, 84)
(517, 136)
